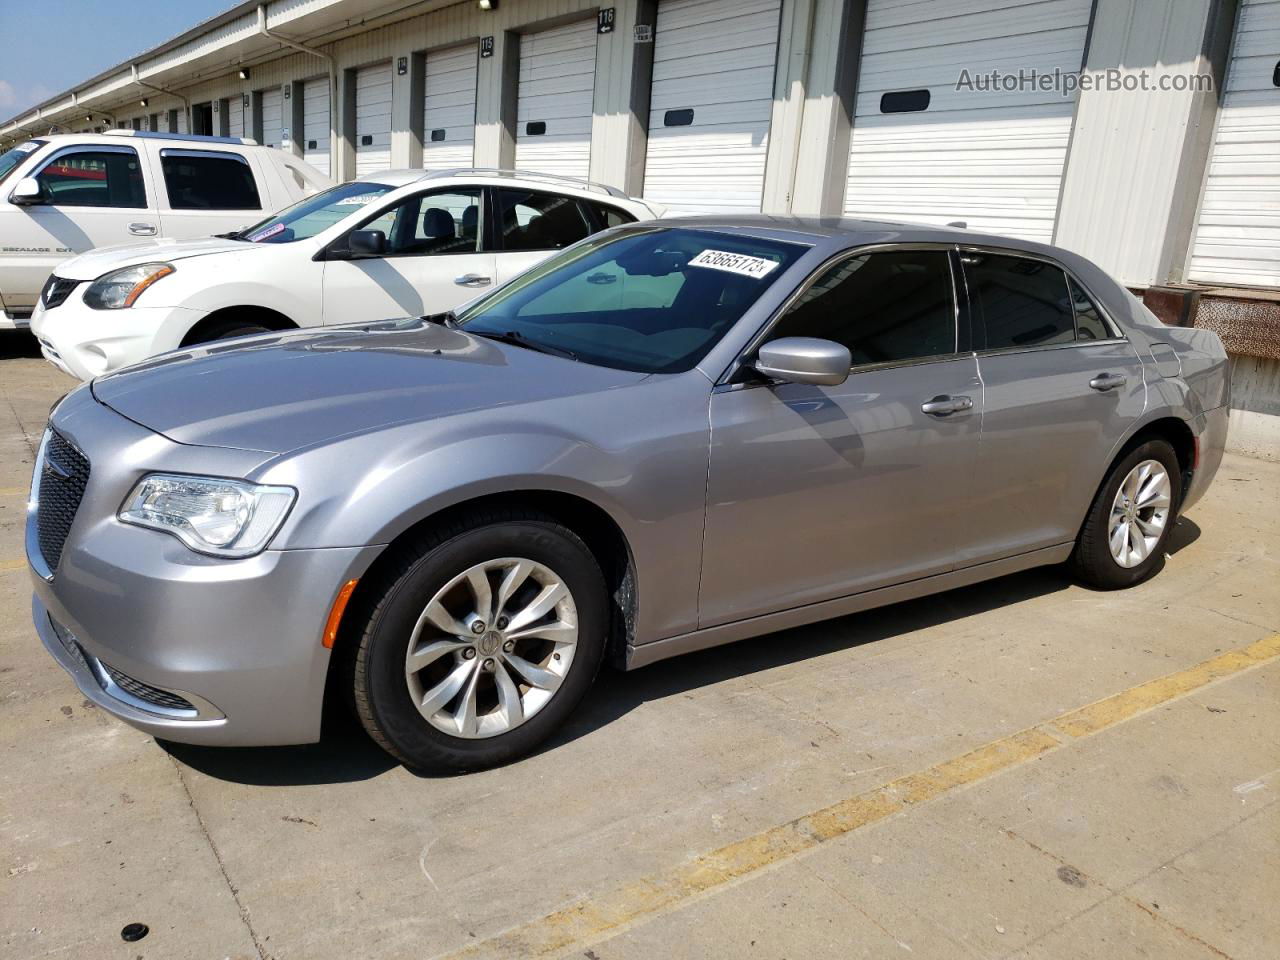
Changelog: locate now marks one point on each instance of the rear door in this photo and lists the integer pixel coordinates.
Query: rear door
(94, 195)
(530, 225)
(436, 259)
(205, 192)
(817, 492)
(1061, 388)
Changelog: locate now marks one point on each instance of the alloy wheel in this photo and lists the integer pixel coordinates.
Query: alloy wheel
(1139, 513)
(491, 647)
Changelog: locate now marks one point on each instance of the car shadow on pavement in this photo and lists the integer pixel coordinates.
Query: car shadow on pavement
(345, 754)
(15, 344)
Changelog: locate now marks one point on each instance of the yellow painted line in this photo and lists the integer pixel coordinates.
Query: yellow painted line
(14, 491)
(1122, 706)
(12, 566)
(591, 921)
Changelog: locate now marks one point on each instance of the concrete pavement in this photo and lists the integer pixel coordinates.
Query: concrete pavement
(1153, 834)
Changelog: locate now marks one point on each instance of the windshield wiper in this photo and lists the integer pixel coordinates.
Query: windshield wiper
(518, 339)
(446, 318)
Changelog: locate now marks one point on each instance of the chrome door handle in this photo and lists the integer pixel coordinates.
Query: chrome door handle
(944, 406)
(142, 229)
(1108, 381)
(472, 280)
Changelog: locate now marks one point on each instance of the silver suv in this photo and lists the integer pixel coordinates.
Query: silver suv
(669, 436)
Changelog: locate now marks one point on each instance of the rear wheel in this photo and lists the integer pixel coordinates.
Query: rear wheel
(482, 640)
(1124, 537)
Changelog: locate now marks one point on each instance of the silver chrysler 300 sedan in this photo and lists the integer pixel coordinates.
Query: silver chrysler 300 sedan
(669, 436)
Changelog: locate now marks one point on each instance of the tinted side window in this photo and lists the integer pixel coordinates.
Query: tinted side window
(434, 223)
(1023, 303)
(88, 178)
(611, 216)
(532, 220)
(208, 182)
(884, 307)
(1089, 322)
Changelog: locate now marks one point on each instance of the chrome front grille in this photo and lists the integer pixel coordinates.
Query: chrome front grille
(63, 474)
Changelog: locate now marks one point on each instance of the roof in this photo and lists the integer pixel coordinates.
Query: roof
(817, 229)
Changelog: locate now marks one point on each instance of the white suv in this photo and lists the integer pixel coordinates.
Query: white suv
(66, 194)
(395, 244)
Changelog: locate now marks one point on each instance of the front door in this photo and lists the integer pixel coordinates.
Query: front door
(91, 196)
(820, 492)
(435, 260)
(1062, 389)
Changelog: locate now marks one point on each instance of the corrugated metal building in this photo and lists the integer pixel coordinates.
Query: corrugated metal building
(932, 110)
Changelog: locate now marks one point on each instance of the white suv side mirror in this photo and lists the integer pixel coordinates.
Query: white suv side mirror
(26, 192)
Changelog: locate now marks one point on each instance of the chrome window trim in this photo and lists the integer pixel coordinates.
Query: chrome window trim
(848, 253)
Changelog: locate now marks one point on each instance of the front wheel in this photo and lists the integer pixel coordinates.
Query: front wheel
(1124, 537)
(482, 641)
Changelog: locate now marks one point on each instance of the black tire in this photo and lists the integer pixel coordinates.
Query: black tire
(1091, 561)
(225, 330)
(396, 599)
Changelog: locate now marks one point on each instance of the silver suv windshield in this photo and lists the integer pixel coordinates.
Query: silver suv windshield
(645, 298)
(315, 214)
(10, 159)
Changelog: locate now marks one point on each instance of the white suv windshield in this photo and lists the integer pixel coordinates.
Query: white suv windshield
(312, 215)
(10, 159)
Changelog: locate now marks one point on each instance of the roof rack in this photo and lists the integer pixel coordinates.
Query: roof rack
(527, 175)
(194, 137)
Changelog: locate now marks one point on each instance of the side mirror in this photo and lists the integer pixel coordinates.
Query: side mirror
(366, 243)
(26, 192)
(804, 360)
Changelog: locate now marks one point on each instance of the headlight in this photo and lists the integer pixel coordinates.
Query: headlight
(223, 518)
(120, 288)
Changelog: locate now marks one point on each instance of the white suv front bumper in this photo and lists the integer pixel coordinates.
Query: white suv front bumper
(88, 343)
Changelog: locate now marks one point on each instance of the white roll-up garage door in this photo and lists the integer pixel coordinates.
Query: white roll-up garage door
(315, 123)
(557, 94)
(711, 103)
(1238, 234)
(272, 117)
(923, 150)
(373, 119)
(449, 108)
(235, 116)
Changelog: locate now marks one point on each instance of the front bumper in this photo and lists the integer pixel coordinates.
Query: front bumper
(241, 644)
(239, 641)
(88, 343)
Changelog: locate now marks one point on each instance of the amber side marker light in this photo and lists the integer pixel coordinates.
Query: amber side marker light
(336, 611)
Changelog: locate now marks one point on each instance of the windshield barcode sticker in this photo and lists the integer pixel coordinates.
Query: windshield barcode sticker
(738, 263)
(271, 231)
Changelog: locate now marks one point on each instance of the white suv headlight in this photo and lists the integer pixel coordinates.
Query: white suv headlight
(120, 288)
(223, 518)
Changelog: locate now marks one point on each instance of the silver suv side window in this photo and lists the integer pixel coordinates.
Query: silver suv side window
(885, 307)
(107, 177)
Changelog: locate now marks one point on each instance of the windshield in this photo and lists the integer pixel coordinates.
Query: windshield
(314, 214)
(652, 299)
(10, 159)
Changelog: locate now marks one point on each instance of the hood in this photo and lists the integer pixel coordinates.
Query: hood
(280, 392)
(91, 265)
